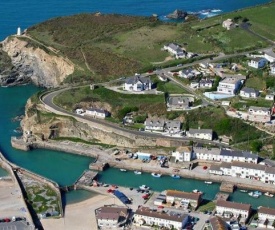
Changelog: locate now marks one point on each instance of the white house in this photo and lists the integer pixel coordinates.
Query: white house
(114, 217)
(172, 126)
(248, 170)
(154, 124)
(228, 24)
(183, 153)
(195, 85)
(269, 175)
(270, 56)
(263, 111)
(216, 170)
(266, 217)
(183, 198)
(206, 134)
(230, 85)
(145, 215)
(226, 168)
(138, 83)
(99, 113)
(207, 154)
(249, 92)
(272, 69)
(178, 103)
(232, 209)
(269, 97)
(205, 83)
(257, 62)
(175, 49)
(187, 73)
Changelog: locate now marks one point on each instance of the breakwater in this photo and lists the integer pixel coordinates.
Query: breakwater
(105, 157)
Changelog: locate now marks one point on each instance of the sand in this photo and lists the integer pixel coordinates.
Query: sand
(79, 216)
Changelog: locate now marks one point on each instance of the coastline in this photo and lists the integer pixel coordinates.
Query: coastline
(106, 157)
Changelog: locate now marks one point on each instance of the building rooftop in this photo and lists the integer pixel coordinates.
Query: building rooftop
(205, 131)
(270, 170)
(213, 151)
(215, 167)
(249, 90)
(186, 195)
(248, 165)
(233, 205)
(154, 122)
(178, 100)
(145, 211)
(173, 124)
(264, 210)
(217, 223)
(184, 149)
(270, 53)
(97, 110)
(257, 59)
(137, 78)
(259, 108)
(225, 165)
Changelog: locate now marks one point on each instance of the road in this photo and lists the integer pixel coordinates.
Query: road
(47, 99)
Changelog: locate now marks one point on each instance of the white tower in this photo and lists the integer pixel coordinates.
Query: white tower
(18, 31)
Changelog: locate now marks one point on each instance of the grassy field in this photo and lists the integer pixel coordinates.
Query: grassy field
(116, 45)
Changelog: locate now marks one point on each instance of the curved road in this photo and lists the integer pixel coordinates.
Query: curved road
(47, 99)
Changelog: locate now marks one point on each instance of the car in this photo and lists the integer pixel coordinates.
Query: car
(160, 206)
(110, 190)
(204, 167)
(179, 65)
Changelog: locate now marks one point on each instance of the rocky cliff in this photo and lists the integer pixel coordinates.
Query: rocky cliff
(26, 60)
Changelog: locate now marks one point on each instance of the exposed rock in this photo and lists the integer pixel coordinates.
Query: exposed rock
(177, 14)
(32, 64)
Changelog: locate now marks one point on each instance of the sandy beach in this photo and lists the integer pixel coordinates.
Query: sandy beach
(79, 216)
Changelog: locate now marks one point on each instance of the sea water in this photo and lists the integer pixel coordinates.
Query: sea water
(19, 13)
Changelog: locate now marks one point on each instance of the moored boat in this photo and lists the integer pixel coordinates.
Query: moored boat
(156, 174)
(175, 176)
(258, 193)
(197, 191)
(243, 190)
(144, 187)
(268, 194)
(123, 170)
(208, 182)
(253, 194)
(137, 172)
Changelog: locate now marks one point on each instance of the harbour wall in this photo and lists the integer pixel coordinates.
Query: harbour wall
(53, 185)
(9, 167)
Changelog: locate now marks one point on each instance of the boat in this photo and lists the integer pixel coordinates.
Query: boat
(105, 185)
(253, 195)
(175, 176)
(137, 172)
(208, 182)
(123, 170)
(156, 174)
(144, 187)
(242, 190)
(197, 191)
(258, 193)
(268, 194)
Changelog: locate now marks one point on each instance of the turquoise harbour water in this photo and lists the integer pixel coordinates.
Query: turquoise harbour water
(65, 168)
(129, 179)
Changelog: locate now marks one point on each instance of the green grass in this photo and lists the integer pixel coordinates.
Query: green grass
(168, 87)
(207, 206)
(244, 104)
(256, 83)
(154, 104)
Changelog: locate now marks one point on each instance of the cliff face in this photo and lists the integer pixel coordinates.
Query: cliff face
(43, 67)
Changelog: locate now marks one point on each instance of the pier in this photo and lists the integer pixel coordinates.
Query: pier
(227, 187)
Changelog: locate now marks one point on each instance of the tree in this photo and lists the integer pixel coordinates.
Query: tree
(256, 146)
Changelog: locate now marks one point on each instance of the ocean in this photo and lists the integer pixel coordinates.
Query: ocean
(18, 13)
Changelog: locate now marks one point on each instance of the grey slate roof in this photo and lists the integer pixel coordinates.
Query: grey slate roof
(248, 165)
(203, 150)
(250, 90)
(135, 79)
(205, 131)
(270, 170)
(259, 108)
(154, 122)
(205, 81)
(97, 110)
(236, 153)
(173, 124)
(270, 53)
(178, 100)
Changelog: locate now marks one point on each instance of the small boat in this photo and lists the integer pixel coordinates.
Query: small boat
(208, 182)
(137, 172)
(123, 170)
(105, 185)
(156, 174)
(268, 194)
(175, 176)
(144, 187)
(258, 193)
(242, 190)
(197, 191)
(253, 195)
(135, 156)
